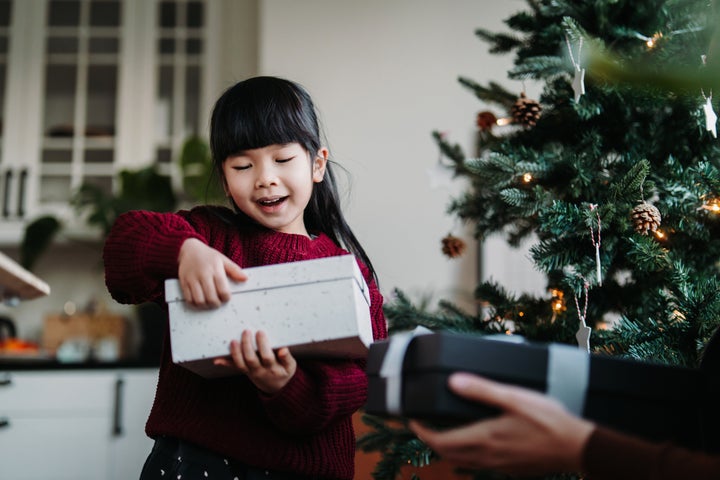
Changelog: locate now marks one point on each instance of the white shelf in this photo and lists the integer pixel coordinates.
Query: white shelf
(17, 282)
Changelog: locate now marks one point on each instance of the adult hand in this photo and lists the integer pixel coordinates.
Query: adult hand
(269, 370)
(534, 435)
(203, 273)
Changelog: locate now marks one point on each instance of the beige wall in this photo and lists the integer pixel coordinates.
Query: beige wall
(384, 76)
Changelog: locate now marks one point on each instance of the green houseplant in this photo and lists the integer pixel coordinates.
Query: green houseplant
(141, 189)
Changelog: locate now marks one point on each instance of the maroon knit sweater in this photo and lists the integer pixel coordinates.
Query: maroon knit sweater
(610, 455)
(305, 428)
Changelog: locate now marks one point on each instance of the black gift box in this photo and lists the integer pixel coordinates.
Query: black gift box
(657, 402)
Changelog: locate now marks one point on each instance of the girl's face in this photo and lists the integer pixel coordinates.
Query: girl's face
(273, 184)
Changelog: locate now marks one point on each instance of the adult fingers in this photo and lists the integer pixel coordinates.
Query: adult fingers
(505, 397)
(469, 435)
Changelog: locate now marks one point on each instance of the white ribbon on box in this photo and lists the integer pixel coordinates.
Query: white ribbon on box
(391, 368)
(568, 375)
(568, 371)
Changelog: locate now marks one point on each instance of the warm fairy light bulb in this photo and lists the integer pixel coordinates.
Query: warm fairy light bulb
(557, 302)
(527, 178)
(712, 205)
(521, 314)
(660, 235)
(652, 42)
(501, 122)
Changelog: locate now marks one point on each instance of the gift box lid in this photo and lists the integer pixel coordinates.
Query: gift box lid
(408, 376)
(293, 273)
(525, 363)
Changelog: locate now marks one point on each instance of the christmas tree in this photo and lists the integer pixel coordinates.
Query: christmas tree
(614, 172)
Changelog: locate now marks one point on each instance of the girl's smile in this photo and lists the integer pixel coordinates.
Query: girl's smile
(271, 204)
(273, 184)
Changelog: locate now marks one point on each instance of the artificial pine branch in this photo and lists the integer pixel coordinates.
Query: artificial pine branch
(493, 93)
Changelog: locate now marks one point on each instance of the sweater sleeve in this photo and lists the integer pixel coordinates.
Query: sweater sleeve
(610, 455)
(141, 251)
(320, 392)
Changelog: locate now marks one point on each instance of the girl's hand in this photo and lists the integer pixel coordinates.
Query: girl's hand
(203, 273)
(534, 435)
(269, 370)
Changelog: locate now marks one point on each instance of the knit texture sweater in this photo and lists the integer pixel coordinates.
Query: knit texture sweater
(305, 428)
(610, 455)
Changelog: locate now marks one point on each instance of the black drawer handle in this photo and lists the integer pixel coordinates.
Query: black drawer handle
(117, 430)
(21, 193)
(4, 423)
(6, 194)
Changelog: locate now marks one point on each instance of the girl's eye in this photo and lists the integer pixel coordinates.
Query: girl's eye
(240, 167)
(284, 160)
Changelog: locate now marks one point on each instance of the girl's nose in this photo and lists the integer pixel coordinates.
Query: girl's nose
(266, 177)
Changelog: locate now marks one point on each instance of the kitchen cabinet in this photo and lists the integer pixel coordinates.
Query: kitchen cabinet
(74, 424)
(91, 87)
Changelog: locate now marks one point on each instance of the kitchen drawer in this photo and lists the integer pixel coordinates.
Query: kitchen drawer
(74, 425)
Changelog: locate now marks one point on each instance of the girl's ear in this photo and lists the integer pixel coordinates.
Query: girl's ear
(319, 164)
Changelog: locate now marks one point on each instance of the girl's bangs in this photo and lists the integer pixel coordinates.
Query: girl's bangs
(255, 131)
(261, 120)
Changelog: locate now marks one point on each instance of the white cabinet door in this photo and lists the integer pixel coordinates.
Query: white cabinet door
(129, 446)
(75, 425)
(55, 424)
(61, 448)
(94, 87)
(21, 93)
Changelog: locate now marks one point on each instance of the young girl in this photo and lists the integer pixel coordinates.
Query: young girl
(282, 419)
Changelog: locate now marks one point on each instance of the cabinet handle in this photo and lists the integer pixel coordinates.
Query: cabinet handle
(4, 423)
(5, 381)
(117, 410)
(6, 194)
(21, 193)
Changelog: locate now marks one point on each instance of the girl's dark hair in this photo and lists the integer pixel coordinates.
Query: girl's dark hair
(263, 111)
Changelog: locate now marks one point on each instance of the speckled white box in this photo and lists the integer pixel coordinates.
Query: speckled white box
(318, 308)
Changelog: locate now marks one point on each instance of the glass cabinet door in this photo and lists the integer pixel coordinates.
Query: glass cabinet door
(180, 52)
(82, 51)
(11, 201)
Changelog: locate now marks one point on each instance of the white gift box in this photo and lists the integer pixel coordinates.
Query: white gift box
(318, 308)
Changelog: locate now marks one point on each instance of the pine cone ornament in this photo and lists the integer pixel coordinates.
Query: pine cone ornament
(646, 218)
(526, 111)
(486, 120)
(453, 246)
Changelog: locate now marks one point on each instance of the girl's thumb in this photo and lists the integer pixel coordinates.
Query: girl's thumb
(234, 271)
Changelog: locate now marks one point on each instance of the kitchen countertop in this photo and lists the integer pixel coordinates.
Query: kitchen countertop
(26, 363)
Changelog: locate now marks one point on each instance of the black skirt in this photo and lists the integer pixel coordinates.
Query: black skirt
(173, 459)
